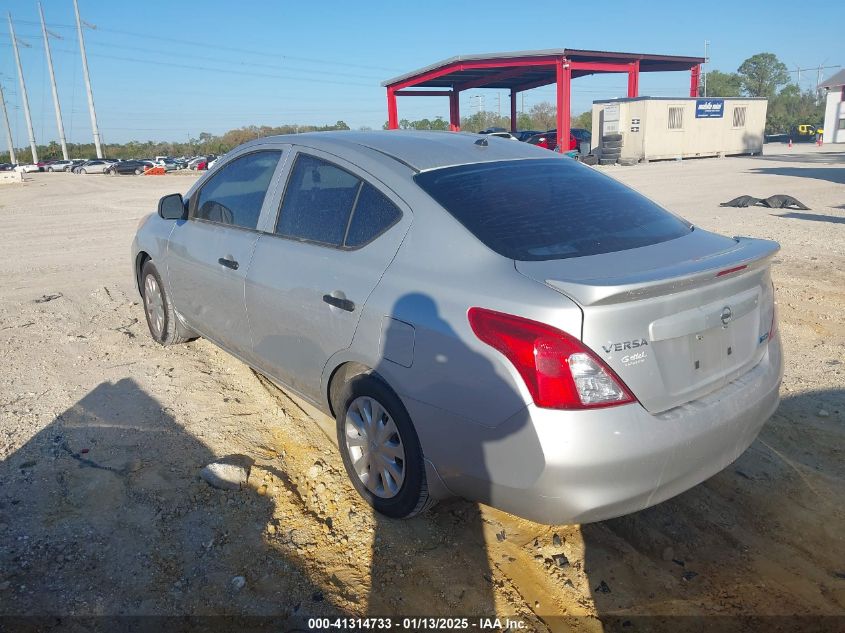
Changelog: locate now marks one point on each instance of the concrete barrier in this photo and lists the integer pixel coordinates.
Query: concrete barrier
(10, 177)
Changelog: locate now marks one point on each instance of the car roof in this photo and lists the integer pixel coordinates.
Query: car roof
(418, 150)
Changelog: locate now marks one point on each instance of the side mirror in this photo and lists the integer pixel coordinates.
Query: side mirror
(172, 207)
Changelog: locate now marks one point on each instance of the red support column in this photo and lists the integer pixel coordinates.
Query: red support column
(455, 111)
(392, 114)
(634, 79)
(513, 111)
(564, 91)
(695, 76)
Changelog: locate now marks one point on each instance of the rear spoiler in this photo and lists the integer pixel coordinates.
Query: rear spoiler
(750, 254)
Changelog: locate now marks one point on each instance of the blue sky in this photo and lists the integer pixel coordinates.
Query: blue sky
(166, 69)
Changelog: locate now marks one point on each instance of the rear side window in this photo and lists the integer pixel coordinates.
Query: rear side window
(549, 209)
(235, 194)
(326, 204)
(374, 214)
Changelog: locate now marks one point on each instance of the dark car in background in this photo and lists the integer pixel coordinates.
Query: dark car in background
(548, 140)
(524, 135)
(136, 167)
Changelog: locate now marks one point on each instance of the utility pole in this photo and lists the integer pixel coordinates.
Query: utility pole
(87, 77)
(24, 98)
(12, 158)
(59, 124)
(706, 60)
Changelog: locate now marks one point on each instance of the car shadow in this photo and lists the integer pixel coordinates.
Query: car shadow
(753, 542)
(102, 513)
(453, 536)
(813, 217)
(829, 174)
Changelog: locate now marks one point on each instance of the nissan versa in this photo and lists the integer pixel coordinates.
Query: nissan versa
(480, 317)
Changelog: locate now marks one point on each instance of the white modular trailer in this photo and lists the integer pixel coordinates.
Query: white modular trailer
(663, 128)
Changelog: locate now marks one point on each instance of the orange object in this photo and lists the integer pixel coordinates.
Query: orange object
(155, 171)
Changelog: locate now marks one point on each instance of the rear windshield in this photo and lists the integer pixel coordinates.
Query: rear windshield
(549, 209)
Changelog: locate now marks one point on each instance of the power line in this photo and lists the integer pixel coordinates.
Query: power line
(206, 45)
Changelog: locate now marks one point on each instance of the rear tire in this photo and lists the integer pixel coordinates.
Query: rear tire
(138, 171)
(611, 137)
(611, 144)
(82, 171)
(158, 308)
(607, 161)
(374, 448)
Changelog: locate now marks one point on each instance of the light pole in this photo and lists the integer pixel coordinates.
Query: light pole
(87, 77)
(24, 98)
(59, 124)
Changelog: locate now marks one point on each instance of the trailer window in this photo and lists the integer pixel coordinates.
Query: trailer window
(543, 209)
(676, 117)
(739, 116)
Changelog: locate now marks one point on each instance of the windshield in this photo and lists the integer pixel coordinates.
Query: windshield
(549, 208)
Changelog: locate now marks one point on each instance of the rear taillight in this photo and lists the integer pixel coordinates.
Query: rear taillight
(559, 371)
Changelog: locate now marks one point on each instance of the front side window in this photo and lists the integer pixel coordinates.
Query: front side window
(235, 194)
(327, 205)
(548, 209)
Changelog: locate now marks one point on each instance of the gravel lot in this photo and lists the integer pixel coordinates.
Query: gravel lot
(103, 434)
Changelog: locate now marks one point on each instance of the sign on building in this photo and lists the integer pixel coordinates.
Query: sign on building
(709, 108)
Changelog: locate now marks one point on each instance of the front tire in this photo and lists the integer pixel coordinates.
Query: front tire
(380, 448)
(158, 308)
(82, 171)
(138, 172)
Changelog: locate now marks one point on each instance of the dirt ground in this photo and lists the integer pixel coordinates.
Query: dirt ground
(103, 433)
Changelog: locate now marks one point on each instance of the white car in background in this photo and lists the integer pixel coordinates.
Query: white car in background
(92, 167)
(27, 168)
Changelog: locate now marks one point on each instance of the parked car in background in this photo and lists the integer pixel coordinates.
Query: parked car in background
(505, 135)
(58, 165)
(7, 167)
(524, 135)
(75, 162)
(136, 167)
(199, 163)
(168, 163)
(28, 168)
(98, 166)
(548, 140)
(495, 322)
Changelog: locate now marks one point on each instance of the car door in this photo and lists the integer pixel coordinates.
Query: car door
(336, 232)
(209, 254)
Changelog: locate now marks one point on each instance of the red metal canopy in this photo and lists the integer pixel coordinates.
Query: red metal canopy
(524, 70)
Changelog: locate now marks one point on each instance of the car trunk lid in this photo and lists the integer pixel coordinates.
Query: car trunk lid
(675, 320)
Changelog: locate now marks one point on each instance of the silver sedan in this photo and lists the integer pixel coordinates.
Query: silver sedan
(482, 318)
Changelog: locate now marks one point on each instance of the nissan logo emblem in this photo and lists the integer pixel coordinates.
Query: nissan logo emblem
(726, 315)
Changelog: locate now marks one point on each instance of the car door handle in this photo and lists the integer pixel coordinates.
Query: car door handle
(228, 263)
(343, 304)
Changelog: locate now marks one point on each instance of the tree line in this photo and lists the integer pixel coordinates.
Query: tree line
(203, 145)
(764, 75)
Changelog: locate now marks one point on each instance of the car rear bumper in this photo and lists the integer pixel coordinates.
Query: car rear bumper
(579, 467)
